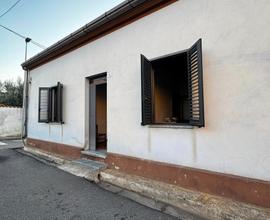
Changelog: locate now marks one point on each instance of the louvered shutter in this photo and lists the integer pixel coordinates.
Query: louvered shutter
(43, 108)
(59, 102)
(195, 77)
(147, 102)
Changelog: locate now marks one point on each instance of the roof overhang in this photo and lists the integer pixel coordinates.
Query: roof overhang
(119, 16)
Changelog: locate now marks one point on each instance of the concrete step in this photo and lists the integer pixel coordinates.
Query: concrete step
(88, 169)
(91, 164)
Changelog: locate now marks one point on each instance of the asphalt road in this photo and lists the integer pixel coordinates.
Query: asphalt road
(30, 189)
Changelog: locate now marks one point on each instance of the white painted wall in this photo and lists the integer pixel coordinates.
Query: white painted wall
(10, 122)
(236, 63)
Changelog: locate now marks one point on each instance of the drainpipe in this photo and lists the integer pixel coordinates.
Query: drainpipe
(25, 104)
(25, 96)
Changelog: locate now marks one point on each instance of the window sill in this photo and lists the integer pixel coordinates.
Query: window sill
(174, 126)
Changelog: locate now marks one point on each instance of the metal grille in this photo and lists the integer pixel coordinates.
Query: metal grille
(195, 75)
(147, 108)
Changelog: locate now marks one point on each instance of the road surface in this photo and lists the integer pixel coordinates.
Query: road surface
(30, 189)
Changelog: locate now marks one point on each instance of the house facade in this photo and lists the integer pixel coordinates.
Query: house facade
(176, 91)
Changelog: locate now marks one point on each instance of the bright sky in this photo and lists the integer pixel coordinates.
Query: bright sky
(45, 21)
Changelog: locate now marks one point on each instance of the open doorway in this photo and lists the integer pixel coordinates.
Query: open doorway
(101, 116)
(98, 114)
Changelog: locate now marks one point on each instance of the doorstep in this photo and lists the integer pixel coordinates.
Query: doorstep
(99, 154)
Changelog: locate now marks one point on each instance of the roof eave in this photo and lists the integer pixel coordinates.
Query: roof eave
(125, 11)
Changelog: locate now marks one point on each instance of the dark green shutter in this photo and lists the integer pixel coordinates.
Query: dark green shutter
(59, 102)
(146, 86)
(195, 76)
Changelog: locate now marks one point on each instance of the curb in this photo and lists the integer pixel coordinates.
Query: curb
(49, 158)
(199, 204)
(63, 164)
(149, 202)
(8, 138)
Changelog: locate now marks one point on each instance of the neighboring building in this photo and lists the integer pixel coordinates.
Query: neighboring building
(176, 91)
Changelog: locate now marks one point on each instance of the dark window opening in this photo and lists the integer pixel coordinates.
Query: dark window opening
(172, 88)
(50, 104)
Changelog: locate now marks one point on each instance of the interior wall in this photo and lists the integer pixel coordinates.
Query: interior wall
(162, 99)
(171, 89)
(101, 108)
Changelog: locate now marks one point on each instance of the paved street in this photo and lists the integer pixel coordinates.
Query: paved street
(30, 189)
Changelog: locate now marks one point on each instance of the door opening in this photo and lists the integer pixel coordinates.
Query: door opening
(98, 114)
(101, 116)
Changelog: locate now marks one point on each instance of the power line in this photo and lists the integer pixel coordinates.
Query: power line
(38, 44)
(23, 37)
(11, 7)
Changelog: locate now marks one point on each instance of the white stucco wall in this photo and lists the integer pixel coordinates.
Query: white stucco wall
(236, 63)
(10, 122)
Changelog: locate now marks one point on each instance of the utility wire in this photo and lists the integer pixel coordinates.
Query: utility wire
(38, 44)
(23, 37)
(11, 7)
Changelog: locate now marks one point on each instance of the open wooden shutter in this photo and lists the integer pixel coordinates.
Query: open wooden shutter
(44, 104)
(59, 102)
(195, 75)
(146, 80)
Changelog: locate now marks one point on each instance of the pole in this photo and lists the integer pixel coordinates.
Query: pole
(25, 96)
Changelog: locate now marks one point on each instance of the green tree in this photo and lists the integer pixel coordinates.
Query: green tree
(11, 93)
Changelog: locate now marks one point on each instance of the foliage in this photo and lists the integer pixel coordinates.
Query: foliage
(11, 93)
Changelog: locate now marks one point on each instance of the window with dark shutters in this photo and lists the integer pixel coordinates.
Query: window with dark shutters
(50, 104)
(146, 77)
(195, 75)
(172, 88)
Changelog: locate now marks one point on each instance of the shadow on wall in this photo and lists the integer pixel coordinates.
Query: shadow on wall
(10, 122)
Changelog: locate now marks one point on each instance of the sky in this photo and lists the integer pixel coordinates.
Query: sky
(44, 21)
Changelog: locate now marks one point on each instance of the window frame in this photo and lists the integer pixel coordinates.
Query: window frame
(201, 96)
(39, 104)
(58, 99)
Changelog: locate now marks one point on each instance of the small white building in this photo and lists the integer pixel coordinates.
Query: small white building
(175, 91)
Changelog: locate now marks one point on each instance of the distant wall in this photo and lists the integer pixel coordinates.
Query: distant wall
(10, 122)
